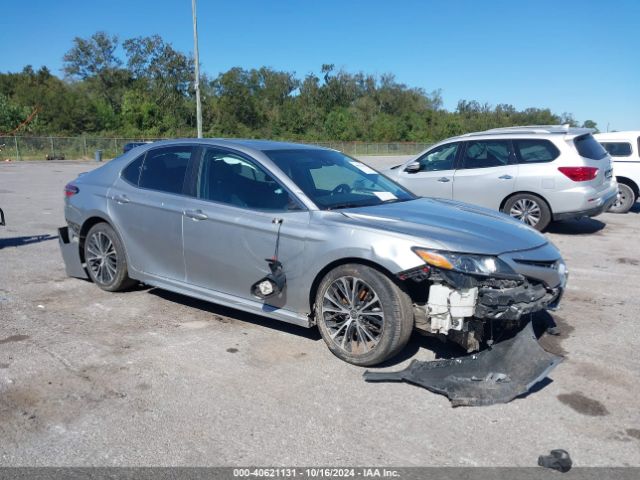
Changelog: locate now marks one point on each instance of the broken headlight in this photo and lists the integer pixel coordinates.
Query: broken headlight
(465, 263)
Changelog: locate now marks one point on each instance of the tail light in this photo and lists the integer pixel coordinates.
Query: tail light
(70, 190)
(579, 174)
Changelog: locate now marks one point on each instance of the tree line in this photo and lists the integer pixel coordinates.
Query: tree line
(143, 87)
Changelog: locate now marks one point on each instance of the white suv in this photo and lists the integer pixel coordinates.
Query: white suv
(535, 174)
(624, 148)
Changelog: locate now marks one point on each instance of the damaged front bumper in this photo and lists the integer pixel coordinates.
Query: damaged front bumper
(511, 303)
(460, 305)
(497, 375)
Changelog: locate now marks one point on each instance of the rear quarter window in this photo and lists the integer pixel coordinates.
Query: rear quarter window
(617, 149)
(589, 147)
(131, 173)
(535, 151)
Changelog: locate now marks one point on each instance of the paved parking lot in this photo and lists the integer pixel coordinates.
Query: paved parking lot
(153, 378)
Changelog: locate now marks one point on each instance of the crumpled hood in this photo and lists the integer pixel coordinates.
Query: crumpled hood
(450, 225)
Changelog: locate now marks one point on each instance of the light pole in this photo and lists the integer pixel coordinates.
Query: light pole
(197, 68)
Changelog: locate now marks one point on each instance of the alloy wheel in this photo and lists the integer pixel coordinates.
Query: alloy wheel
(101, 257)
(352, 313)
(527, 211)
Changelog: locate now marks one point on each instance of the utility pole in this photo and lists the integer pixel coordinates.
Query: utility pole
(197, 68)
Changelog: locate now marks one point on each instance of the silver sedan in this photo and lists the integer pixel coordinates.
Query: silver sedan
(309, 236)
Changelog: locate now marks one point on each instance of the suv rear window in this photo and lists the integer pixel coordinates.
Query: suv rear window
(536, 151)
(617, 149)
(589, 147)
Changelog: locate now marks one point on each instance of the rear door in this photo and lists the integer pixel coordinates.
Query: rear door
(435, 177)
(487, 173)
(146, 204)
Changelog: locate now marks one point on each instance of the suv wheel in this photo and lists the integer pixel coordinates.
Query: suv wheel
(529, 209)
(626, 199)
(105, 259)
(363, 316)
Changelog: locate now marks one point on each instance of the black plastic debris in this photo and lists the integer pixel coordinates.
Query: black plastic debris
(557, 460)
(496, 375)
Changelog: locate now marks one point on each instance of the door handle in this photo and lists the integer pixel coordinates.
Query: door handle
(121, 199)
(444, 179)
(195, 214)
(505, 177)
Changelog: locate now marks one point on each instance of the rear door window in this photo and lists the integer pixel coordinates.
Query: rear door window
(535, 151)
(165, 169)
(617, 149)
(486, 153)
(589, 147)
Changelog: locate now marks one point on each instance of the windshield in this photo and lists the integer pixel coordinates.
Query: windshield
(333, 180)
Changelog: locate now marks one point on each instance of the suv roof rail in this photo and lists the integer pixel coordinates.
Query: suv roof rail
(558, 129)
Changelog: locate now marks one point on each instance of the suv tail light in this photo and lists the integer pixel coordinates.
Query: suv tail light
(70, 190)
(579, 174)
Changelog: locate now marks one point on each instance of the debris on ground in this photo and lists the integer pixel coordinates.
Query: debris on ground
(497, 375)
(557, 460)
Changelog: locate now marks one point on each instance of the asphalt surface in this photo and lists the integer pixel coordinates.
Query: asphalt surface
(148, 377)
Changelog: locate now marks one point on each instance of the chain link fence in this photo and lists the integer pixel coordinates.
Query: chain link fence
(78, 148)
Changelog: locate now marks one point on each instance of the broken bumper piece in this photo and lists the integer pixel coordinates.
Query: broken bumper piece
(70, 250)
(497, 375)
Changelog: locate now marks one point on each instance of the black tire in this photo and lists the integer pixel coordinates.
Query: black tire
(105, 259)
(393, 307)
(626, 199)
(529, 209)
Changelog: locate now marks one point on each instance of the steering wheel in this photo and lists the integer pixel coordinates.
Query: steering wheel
(342, 188)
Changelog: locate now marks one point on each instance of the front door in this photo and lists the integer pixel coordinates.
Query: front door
(231, 227)
(487, 173)
(435, 176)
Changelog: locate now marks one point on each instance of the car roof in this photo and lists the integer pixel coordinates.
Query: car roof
(530, 131)
(243, 144)
(625, 135)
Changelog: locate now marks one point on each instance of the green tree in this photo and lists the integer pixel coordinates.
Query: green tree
(94, 60)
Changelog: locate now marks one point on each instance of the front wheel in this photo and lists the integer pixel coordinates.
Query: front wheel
(626, 199)
(529, 209)
(105, 259)
(363, 316)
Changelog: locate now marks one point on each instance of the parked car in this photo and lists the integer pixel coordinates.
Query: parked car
(346, 249)
(131, 145)
(535, 174)
(624, 148)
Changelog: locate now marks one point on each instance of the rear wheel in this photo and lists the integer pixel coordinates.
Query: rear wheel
(105, 259)
(363, 316)
(529, 209)
(626, 199)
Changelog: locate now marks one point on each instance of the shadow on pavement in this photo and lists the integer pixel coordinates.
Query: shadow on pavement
(309, 333)
(582, 226)
(442, 349)
(21, 241)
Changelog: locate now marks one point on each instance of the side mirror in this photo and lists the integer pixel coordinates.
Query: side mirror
(412, 168)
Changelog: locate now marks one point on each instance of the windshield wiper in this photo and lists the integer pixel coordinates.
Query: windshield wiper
(338, 206)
